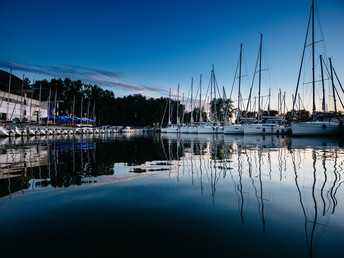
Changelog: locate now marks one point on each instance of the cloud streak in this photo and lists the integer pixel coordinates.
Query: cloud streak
(105, 78)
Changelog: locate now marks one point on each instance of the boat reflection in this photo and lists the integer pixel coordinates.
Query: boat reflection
(256, 174)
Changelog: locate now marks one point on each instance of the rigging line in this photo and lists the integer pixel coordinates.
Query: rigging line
(328, 73)
(206, 95)
(254, 75)
(320, 28)
(246, 70)
(303, 54)
(217, 86)
(338, 79)
(163, 117)
(235, 75)
(271, 75)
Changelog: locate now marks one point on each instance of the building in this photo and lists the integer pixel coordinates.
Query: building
(21, 102)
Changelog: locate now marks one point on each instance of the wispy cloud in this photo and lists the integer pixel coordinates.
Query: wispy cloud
(105, 78)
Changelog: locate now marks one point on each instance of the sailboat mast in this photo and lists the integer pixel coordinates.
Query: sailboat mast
(73, 110)
(8, 94)
(21, 100)
(260, 73)
(178, 105)
(48, 109)
(239, 114)
(169, 108)
(211, 98)
(88, 110)
(333, 88)
(269, 102)
(215, 110)
(81, 109)
(200, 99)
(191, 118)
(313, 61)
(182, 116)
(55, 107)
(323, 84)
(39, 104)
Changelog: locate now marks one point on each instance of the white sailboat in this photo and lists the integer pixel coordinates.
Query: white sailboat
(174, 128)
(192, 127)
(269, 126)
(34, 131)
(3, 132)
(20, 131)
(127, 129)
(212, 127)
(325, 123)
(237, 127)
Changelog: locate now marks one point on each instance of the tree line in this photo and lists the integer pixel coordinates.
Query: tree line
(93, 102)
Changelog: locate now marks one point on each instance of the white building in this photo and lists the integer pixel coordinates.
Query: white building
(21, 102)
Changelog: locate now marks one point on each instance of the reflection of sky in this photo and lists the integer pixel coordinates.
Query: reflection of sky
(237, 189)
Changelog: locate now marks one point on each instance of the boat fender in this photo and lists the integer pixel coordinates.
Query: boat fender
(277, 131)
(340, 124)
(213, 129)
(263, 129)
(324, 126)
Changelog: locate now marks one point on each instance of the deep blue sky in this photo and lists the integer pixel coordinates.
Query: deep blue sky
(151, 46)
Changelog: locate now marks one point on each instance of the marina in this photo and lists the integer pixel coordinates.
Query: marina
(172, 129)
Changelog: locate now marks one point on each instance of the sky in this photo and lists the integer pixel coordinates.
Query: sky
(149, 47)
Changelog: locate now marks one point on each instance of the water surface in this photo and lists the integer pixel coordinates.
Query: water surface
(172, 195)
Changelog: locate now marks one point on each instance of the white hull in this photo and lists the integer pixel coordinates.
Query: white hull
(193, 129)
(260, 129)
(234, 129)
(315, 128)
(173, 129)
(20, 131)
(33, 132)
(184, 129)
(264, 129)
(210, 129)
(3, 132)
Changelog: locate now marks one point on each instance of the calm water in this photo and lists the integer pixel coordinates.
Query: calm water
(170, 195)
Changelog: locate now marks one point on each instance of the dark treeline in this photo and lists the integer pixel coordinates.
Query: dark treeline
(133, 110)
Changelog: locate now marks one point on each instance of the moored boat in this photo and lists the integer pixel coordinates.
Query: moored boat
(322, 125)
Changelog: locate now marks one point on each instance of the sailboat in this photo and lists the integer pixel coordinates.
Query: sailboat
(325, 123)
(265, 125)
(212, 127)
(237, 128)
(170, 127)
(192, 127)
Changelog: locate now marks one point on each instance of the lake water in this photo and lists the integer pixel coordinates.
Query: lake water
(172, 196)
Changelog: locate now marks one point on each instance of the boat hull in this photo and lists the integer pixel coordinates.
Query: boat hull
(315, 128)
(211, 129)
(259, 129)
(234, 129)
(193, 129)
(184, 129)
(173, 129)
